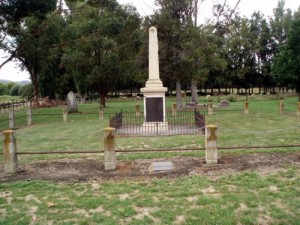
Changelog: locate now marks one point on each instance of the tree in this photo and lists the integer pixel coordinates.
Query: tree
(100, 33)
(24, 21)
(286, 64)
(14, 91)
(3, 89)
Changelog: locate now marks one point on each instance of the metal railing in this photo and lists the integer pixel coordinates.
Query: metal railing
(128, 124)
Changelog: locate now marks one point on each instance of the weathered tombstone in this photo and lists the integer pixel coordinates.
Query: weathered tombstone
(72, 102)
(224, 103)
(161, 166)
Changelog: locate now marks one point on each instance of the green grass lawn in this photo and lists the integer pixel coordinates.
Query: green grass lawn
(243, 198)
(246, 198)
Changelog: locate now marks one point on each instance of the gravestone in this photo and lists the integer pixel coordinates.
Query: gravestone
(161, 166)
(72, 102)
(224, 103)
(154, 92)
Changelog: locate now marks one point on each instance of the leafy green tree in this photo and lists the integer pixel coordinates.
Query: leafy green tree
(286, 64)
(106, 40)
(24, 21)
(14, 91)
(3, 89)
(26, 91)
(280, 25)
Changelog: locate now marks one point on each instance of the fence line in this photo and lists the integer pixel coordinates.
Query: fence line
(158, 150)
(13, 104)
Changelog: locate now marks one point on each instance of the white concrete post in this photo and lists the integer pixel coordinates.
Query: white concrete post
(137, 111)
(211, 154)
(109, 149)
(101, 112)
(210, 109)
(10, 151)
(29, 116)
(65, 113)
(298, 109)
(281, 106)
(246, 107)
(11, 117)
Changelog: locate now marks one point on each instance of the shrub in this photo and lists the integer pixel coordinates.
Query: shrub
(14, 91)
(27, 91)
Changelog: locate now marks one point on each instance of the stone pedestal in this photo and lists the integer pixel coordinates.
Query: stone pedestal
(281, 106)
(211, 154)
(109, 149)
(246, 107)
(10, 152)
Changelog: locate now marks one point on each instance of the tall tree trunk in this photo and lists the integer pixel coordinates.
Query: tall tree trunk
(178, 95)
(194, 91)
(35, 83)
(102, 99)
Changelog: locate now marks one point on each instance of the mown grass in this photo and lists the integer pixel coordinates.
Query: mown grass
(243, 198)
(84, 131)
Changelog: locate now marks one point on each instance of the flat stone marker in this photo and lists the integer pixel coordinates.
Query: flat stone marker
(161, 166)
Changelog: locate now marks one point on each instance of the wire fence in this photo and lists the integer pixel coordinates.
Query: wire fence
(12, 105)
(55, 114)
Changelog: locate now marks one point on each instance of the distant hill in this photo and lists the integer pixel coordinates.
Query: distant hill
(17, 82)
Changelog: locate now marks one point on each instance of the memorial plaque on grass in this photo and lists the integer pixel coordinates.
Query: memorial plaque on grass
(161, 166)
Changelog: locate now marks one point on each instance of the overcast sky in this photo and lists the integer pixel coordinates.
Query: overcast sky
(145, 7)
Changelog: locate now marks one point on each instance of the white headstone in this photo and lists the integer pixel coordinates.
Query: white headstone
(72, 102)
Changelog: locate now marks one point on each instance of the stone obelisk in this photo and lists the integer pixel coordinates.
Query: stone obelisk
(154, 92)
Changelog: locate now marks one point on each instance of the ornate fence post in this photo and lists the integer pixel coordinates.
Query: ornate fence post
(109, 149)
(137, 111)
(11, 117)
(65, 113)
(211, 154)
(174, 109)
(281, 106)
(101, 112)
(210, 109)
(10, 151)
(298, 109)
(246, 107)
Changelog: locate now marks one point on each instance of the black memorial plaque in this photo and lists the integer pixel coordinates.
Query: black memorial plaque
(154, 110)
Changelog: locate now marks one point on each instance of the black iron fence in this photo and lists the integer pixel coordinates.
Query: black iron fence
(191, 122)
